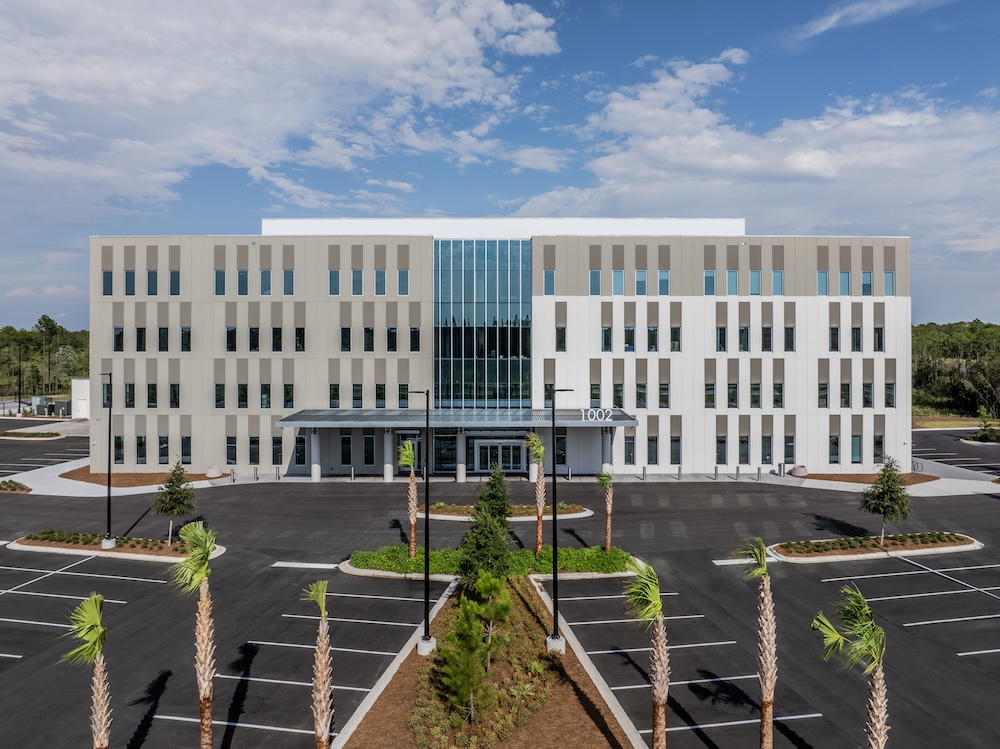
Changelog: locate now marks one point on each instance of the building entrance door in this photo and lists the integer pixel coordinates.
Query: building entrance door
(508, 454)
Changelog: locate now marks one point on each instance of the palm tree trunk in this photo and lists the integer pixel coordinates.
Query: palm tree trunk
(411, 502)
(767, 663)
(659, 677)
(539, 507)
(322, 706)
(609, 499)
(878, 710)
(204, 661)
(881, 540)
(100, 713)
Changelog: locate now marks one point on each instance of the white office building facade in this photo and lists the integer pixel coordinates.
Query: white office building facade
(673, 345)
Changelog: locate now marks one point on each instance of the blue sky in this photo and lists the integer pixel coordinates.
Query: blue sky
(847, 118)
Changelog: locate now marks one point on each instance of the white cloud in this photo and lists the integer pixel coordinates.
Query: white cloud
(20, 292)
(69, 290)
(391, 184)
(856, 13)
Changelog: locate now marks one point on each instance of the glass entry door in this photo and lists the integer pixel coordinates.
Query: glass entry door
(508, 454)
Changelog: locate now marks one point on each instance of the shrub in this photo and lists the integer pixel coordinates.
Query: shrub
(485, 548)
(494, 497)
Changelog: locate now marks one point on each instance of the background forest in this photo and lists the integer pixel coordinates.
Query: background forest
(43, 360)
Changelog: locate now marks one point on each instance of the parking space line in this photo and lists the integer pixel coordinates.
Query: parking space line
(752, 721)
(240, 677)
(713, 680)
(617, 651)
(931, 594)
(928, 570)
(35, 623)
(986, 591)
(306, 566)
(950, 621)
(379, 598)
(630, 621)
(598, 598)
(311, 617)
(10, 655)
(979, 652)
(85, 574)
(313, 647)
(56, 595)
(237, 724)
(48, 573)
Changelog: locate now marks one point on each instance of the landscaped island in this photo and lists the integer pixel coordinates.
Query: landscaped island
(869, 544)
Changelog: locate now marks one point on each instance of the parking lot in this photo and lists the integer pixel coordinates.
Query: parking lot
(946, 446)
(17, 456)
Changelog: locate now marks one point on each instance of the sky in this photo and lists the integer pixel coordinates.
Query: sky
(864, 117)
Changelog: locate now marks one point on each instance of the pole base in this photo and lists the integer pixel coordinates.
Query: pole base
(555, 644)
(109, 543)
(426, 646)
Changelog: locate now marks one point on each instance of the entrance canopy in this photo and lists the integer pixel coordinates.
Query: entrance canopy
(462, 418)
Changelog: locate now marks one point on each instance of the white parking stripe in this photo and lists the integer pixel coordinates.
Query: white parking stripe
(629, 621)
(699, 726)
(928, 571)
(379, 598)
(35, 623)
(617, 651)
(955, 580)
(86, 574)
(950, 621)
(979, 652)
(931, 594)
(57, 595)
(673, 683)
(238, 677)
(48, 573)
(237, 724)
(10, 655)
(313, 647)
(306, 566)
(350, 621)
(599, 598)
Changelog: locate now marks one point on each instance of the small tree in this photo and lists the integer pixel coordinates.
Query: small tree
(986, 432)
(887, 497)
(495, 602)
(86, 626)
(607, 483)
(322, 681)
(767, 634)
(407, 460)
(484, 548)
(536, 452)
(175, 498)
(464, 668)
(494, 497)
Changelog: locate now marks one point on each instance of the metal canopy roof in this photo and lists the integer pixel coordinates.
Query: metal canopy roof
(467, 418)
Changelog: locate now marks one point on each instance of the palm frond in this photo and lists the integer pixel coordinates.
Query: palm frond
(188, 574)
(316, 592)
(406, 454)
(642, 592)
(754, 550)
(833, 641)
(605, 480)
(86, 626)
(867, 639)
(536, 448)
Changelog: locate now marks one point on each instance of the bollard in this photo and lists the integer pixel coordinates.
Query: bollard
(678, 473)
(569, 473)
(737, 473)
(644, 473)
(277, 473)
(232, 475)
(255, 476)
(352, 473)
(717, 473)
(758, 474)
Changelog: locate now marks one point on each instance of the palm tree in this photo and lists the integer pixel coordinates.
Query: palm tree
(191, 575)
(767, 655)
(642, 592)
(408, 460)
(322, 697)
(87, 627)
(536, 451)
(860, 640)
(607, 482)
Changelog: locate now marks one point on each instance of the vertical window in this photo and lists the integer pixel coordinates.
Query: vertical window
(151, 395)
(230, 338)
(175, 394)
(140, 450)
(380, 395)
(254, 445)
(606, 338)
(709, 395)
(254, 339)
(778, 392)
(733, 282)
(119, 449)
(107, 283)
(300, 450)
(675, 450)
(720, 450)
(265, 283)
(652, 338)
(275, 339)
(789, 338)
(866, 283)
(663, 279)
(403, 283)
(288, 286)
(242, 282)
(220, 395)
(845, 283)
(380, 282)
(629, 449)
(140, 339)
(652, 451)
(754, 395)
(618, 395)
(744, 449)
(175, 283)
(220, 283)
(766, 457)
(265, 396)
(118, 339)
(415, 338)
(823, 395)
(778, 283)
(186, 338)
(547, 399)
(595, 395)
(664, 395)
(867, 394)
(855, 339)
(889, 283)
(163, 449)
(835, 338)
(549, 282)
(845, 395)
(289, 395)
(242, 395)
(129, 395)
(391, 339)
(790, 448)
(300, 339)
(560, 339)
(404, 395)
(834, 448)
(744, 338)
(595, 283)
(720, 338)
(675, 338)
(129, 283)
(334, 395)
(356, 396)
(345, 450)
(151, 284)
(755, 283)
(163, 339)
(335, 282)
(231, 450)
(710, 283)
(733, 395)
(345, 339)
(878, 339)
(369, 449)
(822, 283)
(617, 282)
(879, 448)
(640, 283)
(855, 448)
(765, 338)
(357, 282)
(640, 395)
(890, 395)
(276, 451)
(629, 338)
(368, 340)
(107, 395)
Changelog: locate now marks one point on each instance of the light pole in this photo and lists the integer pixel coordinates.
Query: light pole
(426, 644)
(555, 642)
(108, 542)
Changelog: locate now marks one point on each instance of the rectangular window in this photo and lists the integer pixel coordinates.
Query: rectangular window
(288, 400)
(835, 338)
(720, 338)
(334, 395)
(595, 283)
(107, 283)
(403, 283)
(129, 395)
(778, 395)
(834, 448)
(790, 448)
(855, 448)
(629, 449)
(733, 395)
(733, 282)
(140, 450)
(163, 449)
(175, 394)
(879, 448)
(254, 445)
(129, 283)
(391, 339)
(595, 395)
(866, 283)
(118, 339)
(300, 450)
(300, 339)
(163, 339)
(890, 395)
(276, 451)
(265, 395)
(369, 448)
(220, 283)
(606, 338)
(675, 338)
(231, 450)
(380, 282)
(275, 339)
(335, 283)
(629, 338)
(404, 395)
(151, 395)
(765, 338)
(560, 339)
(368, 340)
(664, 395)
(140, 339)
(357, 282)
(152, 287)
(220, 395)
(822, 283)
(720, 450)
(415, 339)
(766, 457)
(254, 339)
(288, 285)
(709, 395)
(379, 395)
(549, 283)
(745, 338)
(754, 395)
(186, 339)
(710, 283)
(640, 283)
(107, 395)
(755, 283)
(356, 396)
(617, 282)
(119, 449)
(675, 450)
(778, 283)
(889, 283)
(345, 339)
(175, 283)
(640, 395)
(845, 283)
(663, 279)
(744, 449)
(230, 339)
(345, 450)
(855, 339)
(242, 282)
(547, 399)
(868, 395)
(265, 283)
(652, 451)
(652, 338)
(823, 395)
(789, 338)
(242, 395)
(618, 395)
(845, 395)
(878, 339)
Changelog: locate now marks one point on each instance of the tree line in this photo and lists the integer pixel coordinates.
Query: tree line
(956, 368)
(42, 360)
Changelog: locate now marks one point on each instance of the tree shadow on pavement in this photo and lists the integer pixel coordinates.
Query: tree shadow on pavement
(242, 664)
(840, 527)
(151, 697)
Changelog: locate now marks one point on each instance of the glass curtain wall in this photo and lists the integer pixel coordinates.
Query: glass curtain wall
(482, 323)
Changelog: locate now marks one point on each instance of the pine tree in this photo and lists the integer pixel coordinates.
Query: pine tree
(495, 602)
(494, 497)
(887, 496)
(484, 548)
(175, 498)
(464, 668)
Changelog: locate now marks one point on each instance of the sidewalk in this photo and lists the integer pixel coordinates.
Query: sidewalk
(47, 481)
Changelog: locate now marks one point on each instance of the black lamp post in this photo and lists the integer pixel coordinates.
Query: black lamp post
(427, 644)
(555, 642)
(108, 541)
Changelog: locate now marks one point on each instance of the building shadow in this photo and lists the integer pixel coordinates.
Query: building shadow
(242, 664)
(839, 527)
(151, 697)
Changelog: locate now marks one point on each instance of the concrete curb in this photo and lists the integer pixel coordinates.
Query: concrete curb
(519, 519)
(773, 554)
(350, 569)
(217, 552)
(583, 575)
(32, 439)
(354, 721)
(638, 742)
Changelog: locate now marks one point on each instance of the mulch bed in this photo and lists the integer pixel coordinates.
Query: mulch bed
(890, 545)
(869, 478)
(516, 511)
(166, 551)
(124, 479)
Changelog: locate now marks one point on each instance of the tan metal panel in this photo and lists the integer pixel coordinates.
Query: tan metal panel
(357, 256)
(595, 370)
(549, 371)
(653, 425)
(129, 374)
(140, 316)
(242, 370)
(755, 256)
(345, 313)
(288, 371)
(107, 257)
(118, 314)
(880, 424)
(721, 315)
(403, 370)
(640, 259)
(549, 257)
(174, 370)
(823, 257)
(607, 314)
(675, 313)
(332, 256)
(277, 314)
(630, 314)
(140, 427)
(163, 314)
(767, 314)
(220, 257)
(857, 424)
(242, 256)
(151, 371)
(834, 425)
(890, 370)
(744, 424)
(595, 257)
(129, 257)
(710, 371)
(357, 371)
(889, 255)
(733, 368)
(834, 314)
(333, 370)
(732, 257)
(778, 372)
(641, 371)
(380, 371)
(663, 257)
(415, 308)
(392, 314)
(789, 313)
(845, 370)
(823, 370)
(867, 257)
(152, 257)
(219, 370)
(744, 313)
(561, 314)
(253, 314)
(652, 313)
(265, 257)
(299, 314)
(185, 315)
(789, 425)
(664, 370)
(756, 369)
(163, 425)
(708, 255)
(618, 370)
(856, 314)
(253, 427)
(767, 425)
(879, 314)
(618, 256)
(675, 426)
(868, 370)
(288, 257)
(230, 313)
(231, 426)
(721, 425)
(380, 256)
(174, 256)
(265, 372)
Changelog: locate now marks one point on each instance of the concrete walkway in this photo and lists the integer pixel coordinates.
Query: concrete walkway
(48, 482)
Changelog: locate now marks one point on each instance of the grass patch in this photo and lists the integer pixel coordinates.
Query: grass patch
(29, 435)
(856, 544)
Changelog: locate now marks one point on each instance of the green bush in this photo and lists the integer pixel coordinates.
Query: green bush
(485, 547)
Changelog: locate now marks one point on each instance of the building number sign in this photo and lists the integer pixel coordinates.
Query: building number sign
(595, 414)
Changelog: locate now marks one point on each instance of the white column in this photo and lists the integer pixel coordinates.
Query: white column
(314, 456)
(387, 455)
(460, 458)
(606, 450)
